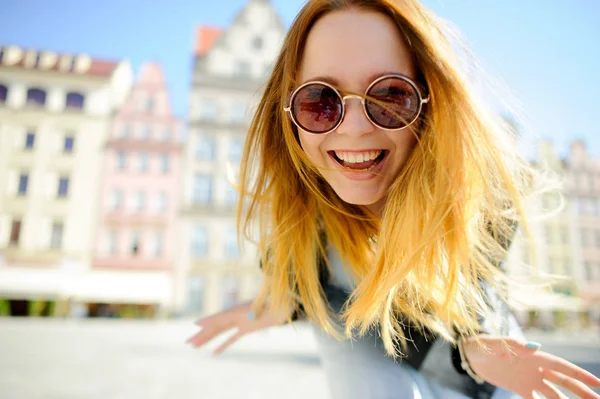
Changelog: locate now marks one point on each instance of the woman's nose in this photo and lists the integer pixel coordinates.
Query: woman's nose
(355, 120)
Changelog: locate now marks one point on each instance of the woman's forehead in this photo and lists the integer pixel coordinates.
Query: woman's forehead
(353, 47)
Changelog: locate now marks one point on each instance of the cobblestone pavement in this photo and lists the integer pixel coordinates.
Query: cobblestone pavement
(120, 359)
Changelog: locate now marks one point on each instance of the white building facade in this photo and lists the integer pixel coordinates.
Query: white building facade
(55, 111)
(230, 69)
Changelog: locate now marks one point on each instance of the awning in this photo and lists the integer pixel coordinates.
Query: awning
(32, 283)
(122, 287)
(133, 287)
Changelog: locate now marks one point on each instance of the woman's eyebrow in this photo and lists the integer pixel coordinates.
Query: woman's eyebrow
(327, 79)
(333, 81)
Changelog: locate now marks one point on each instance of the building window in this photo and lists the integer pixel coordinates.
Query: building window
(164, 163)
(205, 149)
(209, 111)
(243, 69)
(146, 133)
(23, 184)
(125, 132)
(581, 206)
(143, 159)
(231, 292)
(597, 234)
(116, 200)
(236, 149)
(135, 243)
(593, 206)
(202, 189)
(238, 112)
(140, 201)
(121, 160)
(69, 144)
(157, 246)
(74, 101)
(162, 202)
(57, 235)
(63, 187)
(3, 94)
(231, 245)
(15, 232)
(200, 241)
(36, 97)
(149, 104)
(257, 43)
(230, 195)
(166, 134)
(112, 241)
(196, 294)
(30, 140)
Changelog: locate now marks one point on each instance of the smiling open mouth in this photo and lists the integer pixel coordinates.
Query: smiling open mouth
(359, 161)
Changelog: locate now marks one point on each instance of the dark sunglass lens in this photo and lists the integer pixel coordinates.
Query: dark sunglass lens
(393, 103)
(317, 108)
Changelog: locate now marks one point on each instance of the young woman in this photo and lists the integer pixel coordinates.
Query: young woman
(385, 198)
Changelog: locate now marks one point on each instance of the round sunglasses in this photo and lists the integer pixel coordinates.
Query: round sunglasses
(391, 102)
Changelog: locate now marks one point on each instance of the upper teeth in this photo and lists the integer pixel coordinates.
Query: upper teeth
(356, 157)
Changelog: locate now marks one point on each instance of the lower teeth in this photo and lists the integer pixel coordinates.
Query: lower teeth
(365, 169)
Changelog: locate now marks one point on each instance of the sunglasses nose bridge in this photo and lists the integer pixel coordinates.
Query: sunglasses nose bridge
(356, 96)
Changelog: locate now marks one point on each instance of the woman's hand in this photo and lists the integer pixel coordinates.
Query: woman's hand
(509, 364)
(240, 318)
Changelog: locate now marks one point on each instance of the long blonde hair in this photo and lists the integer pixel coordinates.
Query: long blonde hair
(447, 215)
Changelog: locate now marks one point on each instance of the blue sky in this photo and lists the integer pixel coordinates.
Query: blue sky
(545, 51)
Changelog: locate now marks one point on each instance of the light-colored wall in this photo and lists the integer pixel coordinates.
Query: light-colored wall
(229, 90)
(562, 246)
(46, 161)
(150, 221)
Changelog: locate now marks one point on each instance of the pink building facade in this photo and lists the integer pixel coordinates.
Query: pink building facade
(140, 182)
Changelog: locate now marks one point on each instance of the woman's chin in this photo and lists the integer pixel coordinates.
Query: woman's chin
(364, 199)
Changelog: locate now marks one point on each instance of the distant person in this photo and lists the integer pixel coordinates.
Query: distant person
(384, 192)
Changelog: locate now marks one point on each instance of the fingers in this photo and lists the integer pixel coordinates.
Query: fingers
(557, 364)
(228, 343)
(576, 387)
(204, 336)
(549, 391)
(219, 323)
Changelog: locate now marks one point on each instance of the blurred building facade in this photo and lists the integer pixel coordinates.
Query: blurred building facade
(583, 177)
(55, 111)
(230, 68)
(567, 241)
(135, 238)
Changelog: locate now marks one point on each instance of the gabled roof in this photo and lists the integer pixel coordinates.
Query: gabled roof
(206, 36)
